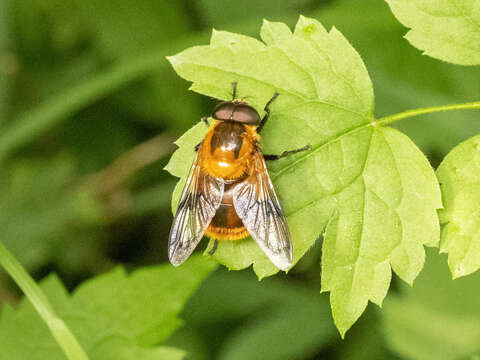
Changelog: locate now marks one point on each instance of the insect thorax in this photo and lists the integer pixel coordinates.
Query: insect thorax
(227, 147)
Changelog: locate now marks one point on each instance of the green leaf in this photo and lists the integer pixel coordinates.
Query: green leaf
(448, 30)
(114, 316)
(411, 84)
(459, 176)
(368, 187)
(438, 318)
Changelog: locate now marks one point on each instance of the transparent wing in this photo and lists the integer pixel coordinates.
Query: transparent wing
(200, 200)
(257, 205)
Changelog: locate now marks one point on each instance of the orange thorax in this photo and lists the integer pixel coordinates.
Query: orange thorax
(227, 149)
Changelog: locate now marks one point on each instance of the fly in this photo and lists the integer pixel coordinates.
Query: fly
(228, 194)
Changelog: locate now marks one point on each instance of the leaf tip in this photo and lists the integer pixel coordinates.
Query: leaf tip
(302, 19)
(172, 59)
(305, 25)
(342, 331)
(458, 271)
(167, 168)
(214, 34)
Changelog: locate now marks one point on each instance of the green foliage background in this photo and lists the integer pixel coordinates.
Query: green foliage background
(84, 85)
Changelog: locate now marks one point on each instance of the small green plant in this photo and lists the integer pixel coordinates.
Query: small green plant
(365, 186)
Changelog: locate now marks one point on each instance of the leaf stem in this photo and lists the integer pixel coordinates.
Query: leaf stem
(58, 328)
(415, 112)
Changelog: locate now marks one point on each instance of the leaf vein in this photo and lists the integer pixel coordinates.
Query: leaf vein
(314, 82)
(399, 177)
(360, 173)
(334, 71)
(319, 147)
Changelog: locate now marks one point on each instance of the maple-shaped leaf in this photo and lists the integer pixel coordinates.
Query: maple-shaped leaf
(459, 176)
(367, 188)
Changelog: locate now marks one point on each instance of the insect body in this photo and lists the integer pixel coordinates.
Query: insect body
(228, 194)
(227, 153)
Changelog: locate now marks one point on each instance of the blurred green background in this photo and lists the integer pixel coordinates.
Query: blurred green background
(89, 108)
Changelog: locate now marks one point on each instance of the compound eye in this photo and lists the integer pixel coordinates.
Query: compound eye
(224, 111)
(246, 114)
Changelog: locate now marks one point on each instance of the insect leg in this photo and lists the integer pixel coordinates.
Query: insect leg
(267, 111)
(214, 248)
(198, 146)
(205, 120)
(286, 153)
(234, 90)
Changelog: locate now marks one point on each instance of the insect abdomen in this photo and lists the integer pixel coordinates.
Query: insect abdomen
(226, 225)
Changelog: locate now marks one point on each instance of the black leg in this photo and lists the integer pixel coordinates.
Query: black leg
(267, 111)
(198, 146)
(234, 90)
(205, 120)
(214, 248)
(286, 153)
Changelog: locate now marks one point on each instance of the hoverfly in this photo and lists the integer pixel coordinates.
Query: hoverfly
(228, 194)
